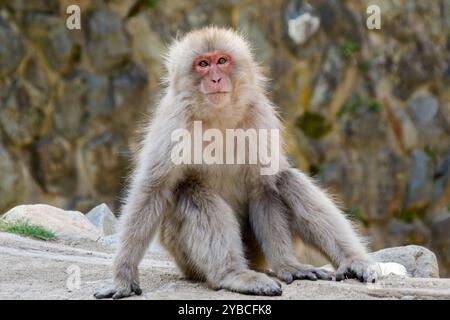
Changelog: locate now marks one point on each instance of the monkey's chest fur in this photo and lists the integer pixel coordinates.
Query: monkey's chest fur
(199, 187)
(229, 182)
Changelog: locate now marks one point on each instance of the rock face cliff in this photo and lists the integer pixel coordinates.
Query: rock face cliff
(367, 111)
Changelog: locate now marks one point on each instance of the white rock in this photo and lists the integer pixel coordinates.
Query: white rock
(392, 268)
(385, 269)
(66, 225)
(103, 218)
(303, 27)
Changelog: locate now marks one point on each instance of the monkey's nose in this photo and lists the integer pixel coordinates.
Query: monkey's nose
(216, 80)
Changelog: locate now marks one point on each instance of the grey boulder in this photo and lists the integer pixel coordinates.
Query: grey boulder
(103, 218)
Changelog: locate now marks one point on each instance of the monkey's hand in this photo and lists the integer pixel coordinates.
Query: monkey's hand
(118, 292)
(363, 269)
(291, 271)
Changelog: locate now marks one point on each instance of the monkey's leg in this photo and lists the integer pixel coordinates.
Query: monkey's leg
(140, 220)
(209, 236)
(319, 222)
(270, 224)
(169, 231)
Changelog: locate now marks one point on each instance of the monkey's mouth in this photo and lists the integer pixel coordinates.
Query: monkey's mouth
(217, 92)
(217, 98)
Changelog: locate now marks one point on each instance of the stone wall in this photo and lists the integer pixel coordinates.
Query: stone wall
(367, 112)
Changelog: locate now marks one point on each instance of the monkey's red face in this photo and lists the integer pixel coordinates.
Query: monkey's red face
(214, 70)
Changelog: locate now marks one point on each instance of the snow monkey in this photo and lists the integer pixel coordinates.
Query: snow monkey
(225, 224)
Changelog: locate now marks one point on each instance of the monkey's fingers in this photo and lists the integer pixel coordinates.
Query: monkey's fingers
(286, 277)
(370, 273)
(272, 289)
(313, 274)
(118, 293)
(123, 293)
(106, 293)
(346, 275)
(303, 272)
(323, 274)
(343, 272)
(305, 275)
(136, 289)
(364, 271)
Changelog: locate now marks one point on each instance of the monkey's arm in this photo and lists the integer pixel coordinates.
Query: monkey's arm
(319, 222)
(141, 215)
(140, 219)
(315, 217)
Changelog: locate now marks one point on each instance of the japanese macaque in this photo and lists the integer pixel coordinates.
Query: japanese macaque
(226, 224)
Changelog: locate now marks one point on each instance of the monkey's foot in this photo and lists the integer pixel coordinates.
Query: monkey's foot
(119, 293)
(363, 270)
(251, 282)
(296, 271)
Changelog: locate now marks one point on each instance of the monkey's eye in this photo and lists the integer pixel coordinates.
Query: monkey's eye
(222, 60)
(203, 63)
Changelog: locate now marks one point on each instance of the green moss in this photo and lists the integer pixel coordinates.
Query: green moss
(358, 214)
(363, 67)
(313, 125)
(374, 106)
(408, 215)
(348, 49)
(431, 152)
(142, 5)
(25, 229)
(151, 4)
(348, 107)
(358, 102)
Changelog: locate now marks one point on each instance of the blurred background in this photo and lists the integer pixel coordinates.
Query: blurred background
(367, 112)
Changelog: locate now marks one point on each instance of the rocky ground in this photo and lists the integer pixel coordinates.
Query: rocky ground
(34, 269)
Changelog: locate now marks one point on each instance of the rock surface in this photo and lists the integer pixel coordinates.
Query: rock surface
(418, 261)
(67, 225)
(11, 179)
(11, 54)
(103, 218)
(34, 269)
